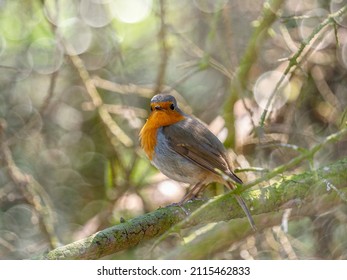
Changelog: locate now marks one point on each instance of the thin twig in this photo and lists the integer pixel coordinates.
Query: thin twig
(53, 79)
(239, 87)
(32, 191)
(208, 59)
(295, 161)
(96, 99)
(296, 59)
(45, 105)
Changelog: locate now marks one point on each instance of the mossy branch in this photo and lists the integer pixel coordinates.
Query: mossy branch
(128, 234)
(305, 195)
(222, 235)
(299, 190)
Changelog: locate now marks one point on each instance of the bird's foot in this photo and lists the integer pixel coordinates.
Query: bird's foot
(179, 204)
(185, 200)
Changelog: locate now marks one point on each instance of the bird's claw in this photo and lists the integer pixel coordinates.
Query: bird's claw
(179, 204)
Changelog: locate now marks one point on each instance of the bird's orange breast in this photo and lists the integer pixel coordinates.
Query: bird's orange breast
(157, 119)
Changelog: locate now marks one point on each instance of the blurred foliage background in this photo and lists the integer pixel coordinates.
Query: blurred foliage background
(76, 77)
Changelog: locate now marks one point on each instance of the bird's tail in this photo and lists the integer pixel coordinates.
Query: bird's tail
(244, 207)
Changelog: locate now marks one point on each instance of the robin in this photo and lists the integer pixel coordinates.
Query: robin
(185, 150)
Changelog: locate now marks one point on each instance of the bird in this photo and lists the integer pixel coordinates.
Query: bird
(185, 150)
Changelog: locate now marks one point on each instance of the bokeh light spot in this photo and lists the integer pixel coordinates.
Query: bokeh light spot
(58, 12)
(265, 86)
(95, 14)
(336, 5)
(14, 28)
(19, 219)
(308, 24)
(131, 11)
(68, 117)
(170, 188)
(46, 55)
(77, 35)
(129, 202)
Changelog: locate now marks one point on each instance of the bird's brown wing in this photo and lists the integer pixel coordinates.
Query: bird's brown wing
(192, 140)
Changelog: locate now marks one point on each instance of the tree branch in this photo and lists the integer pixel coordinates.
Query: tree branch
(240, 82)
(222, 235)
(296, 59)
(295, 191)
(31, 189)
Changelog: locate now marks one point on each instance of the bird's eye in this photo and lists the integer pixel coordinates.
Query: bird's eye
(172, 107)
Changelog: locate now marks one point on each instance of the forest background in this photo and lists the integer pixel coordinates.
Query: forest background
(76, 78)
